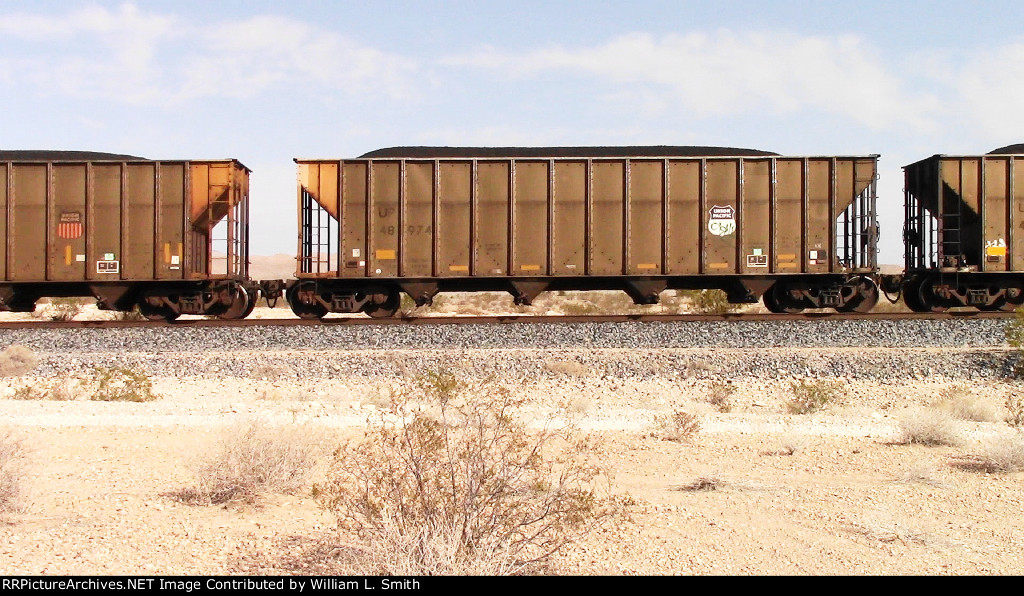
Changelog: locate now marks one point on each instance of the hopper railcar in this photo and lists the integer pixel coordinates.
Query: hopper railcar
(168, 237)
(801, 232)
(963, 243)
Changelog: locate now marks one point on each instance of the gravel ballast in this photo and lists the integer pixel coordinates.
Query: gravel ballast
(876, 350)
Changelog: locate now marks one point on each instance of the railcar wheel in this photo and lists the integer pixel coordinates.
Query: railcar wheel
(912, 298)
(864, 298)
(386, 309)
(157, 313)
(930, 302)
(304, 311)
(1013, 300)
(777, 301)
(241, 305)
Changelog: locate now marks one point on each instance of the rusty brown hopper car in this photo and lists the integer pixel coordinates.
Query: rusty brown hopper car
(170, 237)
(421, 220)
(962, 247)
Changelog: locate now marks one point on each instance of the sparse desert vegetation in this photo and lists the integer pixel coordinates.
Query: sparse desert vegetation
(251, 461)
(232, 472)
(928, 426)
(12, 454)
(811, 395)
(449, 482)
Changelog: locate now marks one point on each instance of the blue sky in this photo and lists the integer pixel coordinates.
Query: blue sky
(265, 82)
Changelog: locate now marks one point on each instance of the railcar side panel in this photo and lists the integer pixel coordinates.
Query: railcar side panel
(66, 221)
(137, 251)
(756, 221)
(170, 224)
(569, 212)
(645, 230)
(818, 251)
(353, 258)
(530, 218)
(608, 190)
(4, 183)
(28, 223)
(720, 216)
(788, 234)
(492, 226)
(103, 222)
(454, 216)
(1015, 239)
(417, 248)
(683, 240)
(995, 216)
(382, 254)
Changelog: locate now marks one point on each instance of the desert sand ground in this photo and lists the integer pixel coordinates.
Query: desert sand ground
(835, 492)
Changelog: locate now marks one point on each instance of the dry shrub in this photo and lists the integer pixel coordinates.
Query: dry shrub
(129, 315)
(702, 484)
(101, 384)
(1015, 410)
(680, 426)
(923, 426)
(12, 453)
(720, 396)
(17, 360)
(569, 368)
(710, 302)
(121, 384)
(65, 309)
(811, 396)
(882, 527)
(254, 460)
(48, 389)
(450, 482)
(1003, 455)
(961, 403)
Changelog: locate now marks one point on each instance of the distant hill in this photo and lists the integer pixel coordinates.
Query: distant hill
(279, 266)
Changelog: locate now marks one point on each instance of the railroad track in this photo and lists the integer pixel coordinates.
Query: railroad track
(513, 319)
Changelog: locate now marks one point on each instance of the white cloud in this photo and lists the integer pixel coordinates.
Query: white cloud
(725, 72)
(987, 93)
(130, 55)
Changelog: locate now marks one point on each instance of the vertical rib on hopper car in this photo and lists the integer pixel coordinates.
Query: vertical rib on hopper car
(799, 230)
(170, 237)
(960, 234)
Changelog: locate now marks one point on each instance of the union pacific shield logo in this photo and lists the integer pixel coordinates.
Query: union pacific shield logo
(70, 225)
(722, 220)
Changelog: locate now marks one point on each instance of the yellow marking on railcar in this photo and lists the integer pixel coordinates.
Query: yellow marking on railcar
(67, 254)
(385, 254)
(787, 257)
(646, 266)
(458, 267)
(167, 253)
(786, 265)
(719, 265)
(530, 267)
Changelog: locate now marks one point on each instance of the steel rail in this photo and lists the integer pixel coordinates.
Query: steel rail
(514, 319)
